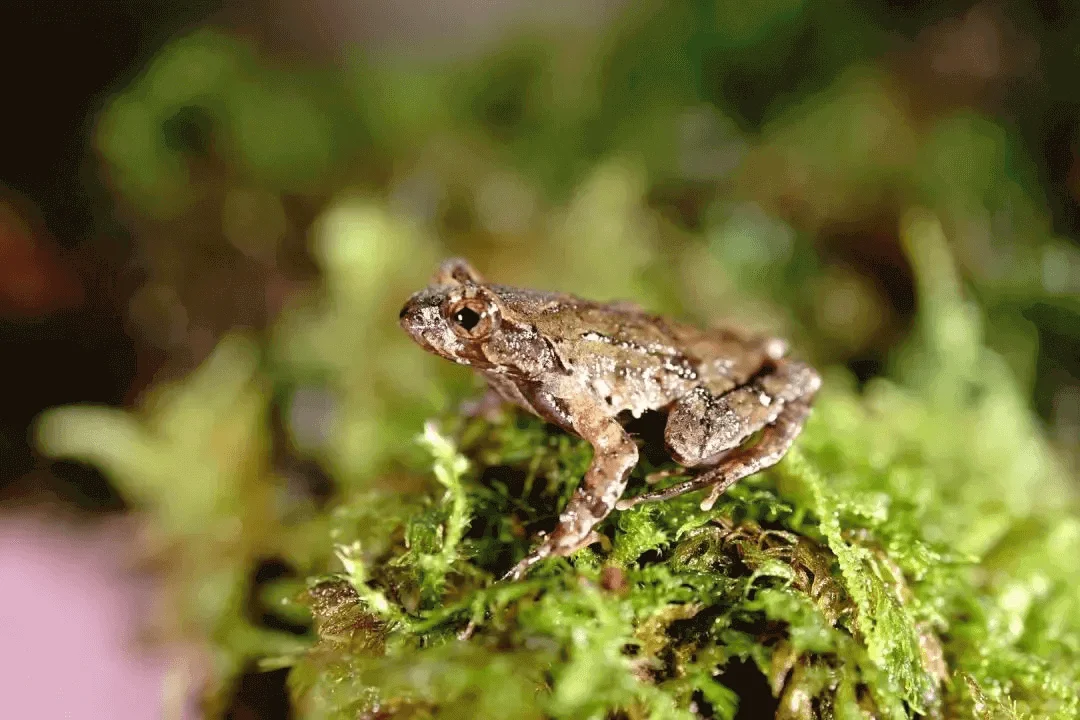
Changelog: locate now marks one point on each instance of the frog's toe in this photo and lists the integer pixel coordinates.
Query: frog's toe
(555, 545)
(518, 571)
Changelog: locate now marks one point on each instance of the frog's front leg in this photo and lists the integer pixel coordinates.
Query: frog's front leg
(614, 456)
(705, 430)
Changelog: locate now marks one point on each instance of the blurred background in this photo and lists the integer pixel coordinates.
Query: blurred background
(248, 191)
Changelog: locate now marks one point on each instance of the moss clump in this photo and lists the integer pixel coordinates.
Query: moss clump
(838, 595)
(881, 570)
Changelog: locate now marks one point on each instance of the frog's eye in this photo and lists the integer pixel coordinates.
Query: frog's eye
(467, 318)
(471, 318)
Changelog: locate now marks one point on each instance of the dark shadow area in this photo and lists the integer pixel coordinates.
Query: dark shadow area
(261, 696)
(755, 698)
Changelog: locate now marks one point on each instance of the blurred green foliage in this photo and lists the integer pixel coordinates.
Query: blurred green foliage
(754, 163)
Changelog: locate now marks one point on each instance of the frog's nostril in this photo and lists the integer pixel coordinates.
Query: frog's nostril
(404, 312)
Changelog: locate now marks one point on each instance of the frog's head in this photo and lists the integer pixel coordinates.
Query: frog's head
(454, 316)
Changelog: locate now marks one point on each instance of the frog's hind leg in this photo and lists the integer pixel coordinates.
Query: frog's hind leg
(707, 431)
(774, 443)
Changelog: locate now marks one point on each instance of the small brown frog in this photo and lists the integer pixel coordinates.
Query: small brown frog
(579, 364)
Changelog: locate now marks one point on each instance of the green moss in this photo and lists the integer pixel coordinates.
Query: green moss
(877, 570)
(835, 593)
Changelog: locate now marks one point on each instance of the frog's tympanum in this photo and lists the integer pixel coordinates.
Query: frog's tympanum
(580, 364)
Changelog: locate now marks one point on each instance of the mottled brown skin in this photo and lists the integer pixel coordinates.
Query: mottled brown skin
(579, 364)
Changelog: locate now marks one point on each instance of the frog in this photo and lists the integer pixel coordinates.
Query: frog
(735, 401)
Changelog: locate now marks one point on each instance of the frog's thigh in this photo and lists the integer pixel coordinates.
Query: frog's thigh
(702, 426)
(775, 442)
(792, 389)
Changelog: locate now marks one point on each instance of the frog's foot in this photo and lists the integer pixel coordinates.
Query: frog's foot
(775, 440)
(518, 571)
(556, 544)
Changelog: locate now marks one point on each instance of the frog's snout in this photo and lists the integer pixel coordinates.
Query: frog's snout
(403, 316)
(408, 318)
(412, 321)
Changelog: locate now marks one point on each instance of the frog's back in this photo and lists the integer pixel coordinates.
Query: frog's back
(646, 358)
(565, 318)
